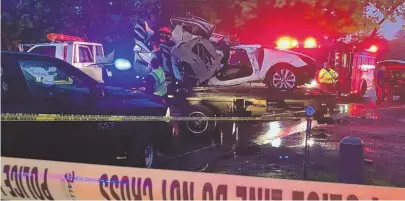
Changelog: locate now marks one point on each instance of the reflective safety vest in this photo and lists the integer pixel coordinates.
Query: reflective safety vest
(160, 87)
(327, 77)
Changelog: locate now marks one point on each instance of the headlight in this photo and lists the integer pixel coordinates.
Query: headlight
(137, 48)
(122, 64)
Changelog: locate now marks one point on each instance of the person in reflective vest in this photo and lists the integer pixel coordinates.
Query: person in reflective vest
(327, 78)
(156, 80)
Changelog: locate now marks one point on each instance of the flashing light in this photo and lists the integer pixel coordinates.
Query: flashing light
(60, 37)
(294, 43)
(122, 64)
(373, 48)
(310, 43)
(286, 43)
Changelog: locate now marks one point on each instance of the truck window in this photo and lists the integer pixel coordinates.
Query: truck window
(65, 52)
(45, 50)
(344, 60)
(99, 51)
(359, 62)
(85, 55)
(372, 61)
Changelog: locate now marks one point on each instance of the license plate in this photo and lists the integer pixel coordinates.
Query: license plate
(109, 73)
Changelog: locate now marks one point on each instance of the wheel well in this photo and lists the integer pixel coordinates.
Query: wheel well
(212, 107)
(275, 67)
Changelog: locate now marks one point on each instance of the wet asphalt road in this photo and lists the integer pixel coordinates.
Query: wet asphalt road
(274, 149)
(279, 146)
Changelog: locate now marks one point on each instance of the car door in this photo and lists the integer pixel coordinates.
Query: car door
(48, 90)
(84, 60)
(17, 137)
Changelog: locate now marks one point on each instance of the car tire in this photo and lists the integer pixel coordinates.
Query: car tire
(282, 78)
(142, 153)
(200, 128)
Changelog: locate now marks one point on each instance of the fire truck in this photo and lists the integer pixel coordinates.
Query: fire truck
(74, 50)
(355, 64)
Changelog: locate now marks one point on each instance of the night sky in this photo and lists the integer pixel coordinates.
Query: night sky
(389, 29)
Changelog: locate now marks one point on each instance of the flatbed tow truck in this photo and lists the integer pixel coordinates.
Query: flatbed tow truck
(247, 101)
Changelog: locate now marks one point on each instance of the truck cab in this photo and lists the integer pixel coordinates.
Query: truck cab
(74, 50)
(356, 70)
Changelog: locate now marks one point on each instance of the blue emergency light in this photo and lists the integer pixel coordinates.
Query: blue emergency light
(122, 64)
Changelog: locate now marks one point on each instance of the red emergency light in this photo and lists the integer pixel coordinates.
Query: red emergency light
(310, 43)
(60, 37)
(286, 43)
(373, 48)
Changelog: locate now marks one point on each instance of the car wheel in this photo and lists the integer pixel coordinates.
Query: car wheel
(200, 127)
(142, 153)
(149, 154)
(283, 79)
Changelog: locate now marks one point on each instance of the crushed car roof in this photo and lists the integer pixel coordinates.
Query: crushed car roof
(197, 25)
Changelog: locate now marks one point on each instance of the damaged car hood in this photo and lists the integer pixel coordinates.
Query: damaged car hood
(200, 55)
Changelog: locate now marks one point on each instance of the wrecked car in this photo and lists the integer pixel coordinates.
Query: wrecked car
(200, 61)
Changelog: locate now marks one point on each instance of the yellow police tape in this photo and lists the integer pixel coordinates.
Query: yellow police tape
(70, 117)
(54, 180)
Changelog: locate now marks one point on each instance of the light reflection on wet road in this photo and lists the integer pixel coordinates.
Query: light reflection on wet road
(270, 133)
(292, 133)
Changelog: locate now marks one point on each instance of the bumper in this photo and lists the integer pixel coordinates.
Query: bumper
(305, 74)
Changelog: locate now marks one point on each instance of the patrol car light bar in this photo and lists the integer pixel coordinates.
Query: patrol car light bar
(60, 37)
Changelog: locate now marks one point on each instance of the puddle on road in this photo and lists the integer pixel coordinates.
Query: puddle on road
(272, 133)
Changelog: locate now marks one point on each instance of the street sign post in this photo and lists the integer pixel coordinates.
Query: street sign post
(310, 111)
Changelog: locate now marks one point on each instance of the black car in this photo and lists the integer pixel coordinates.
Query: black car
(38, 84)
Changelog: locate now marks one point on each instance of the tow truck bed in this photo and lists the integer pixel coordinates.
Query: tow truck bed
(256, 100)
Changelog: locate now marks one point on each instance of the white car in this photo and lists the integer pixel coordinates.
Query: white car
(265, 65)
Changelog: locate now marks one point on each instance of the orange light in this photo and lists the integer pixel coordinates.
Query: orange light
(294, 43)
(60, 37)
(373, 48)
(310, 43)
(286, 43)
